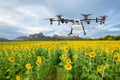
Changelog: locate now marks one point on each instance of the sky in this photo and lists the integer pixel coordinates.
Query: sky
(25, 17)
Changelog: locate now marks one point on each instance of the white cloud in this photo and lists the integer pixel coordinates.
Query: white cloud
(27, 12)
(7, 18)
(27, 16)
(27, 19)
(34, 29)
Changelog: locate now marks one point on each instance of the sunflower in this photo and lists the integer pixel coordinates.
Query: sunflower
(19, 55)
(111, 51)
(18, 77)
(75, 56)
(38, 62)
(118, 58)
(39, 58)
(86, 53)
(99, 68)
(64, 56)
(29, 55)
(11, 59)
(92, 54)
(28, 66)
(66, 48)
(116, 54)
(68, 66)
(68, 61)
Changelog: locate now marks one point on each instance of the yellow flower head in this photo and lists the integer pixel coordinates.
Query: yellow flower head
(11, 59)
(86, 53)
(116, 54)
(118, 58)
(68, 61)
(29, 55)
(92, 54)
(66, 48)
(39, 58)
(68, 66)
(38, 62)
(99, 68)
(18, 77)
(110, 51)
(75, 56)
(28, 66)
(19, 55)
(64, 56)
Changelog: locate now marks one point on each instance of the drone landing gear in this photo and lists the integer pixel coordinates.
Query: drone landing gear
(70, 32)
(83, 29)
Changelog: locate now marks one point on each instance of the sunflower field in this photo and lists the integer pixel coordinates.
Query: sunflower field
(60, 60)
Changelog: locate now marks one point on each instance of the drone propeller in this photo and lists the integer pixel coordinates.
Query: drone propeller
(86, 16)
(59, 19)
(51, 20)
(59, 16)
(103, 17)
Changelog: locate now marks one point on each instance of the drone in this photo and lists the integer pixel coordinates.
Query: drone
(85, 19)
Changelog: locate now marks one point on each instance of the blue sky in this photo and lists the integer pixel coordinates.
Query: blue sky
(25, 17)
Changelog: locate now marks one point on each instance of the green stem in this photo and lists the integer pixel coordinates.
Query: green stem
(75, 71)
(116, 76)
(103, 71)
(67, 75)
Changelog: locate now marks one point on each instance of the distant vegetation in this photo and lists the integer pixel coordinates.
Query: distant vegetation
(109, 37)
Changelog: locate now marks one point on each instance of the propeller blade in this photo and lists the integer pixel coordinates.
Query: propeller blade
(86, 14)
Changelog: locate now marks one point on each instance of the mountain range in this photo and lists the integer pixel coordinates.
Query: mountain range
(41, 36)
(3, 39)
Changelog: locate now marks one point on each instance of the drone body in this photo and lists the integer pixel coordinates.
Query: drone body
(60, 20)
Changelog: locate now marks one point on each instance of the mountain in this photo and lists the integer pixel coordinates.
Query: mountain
(3, 39)
(41, 36)
(21, 38)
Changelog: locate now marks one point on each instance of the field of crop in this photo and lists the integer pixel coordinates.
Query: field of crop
(60, 60)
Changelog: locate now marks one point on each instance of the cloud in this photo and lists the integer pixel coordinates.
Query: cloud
(34, 29)
(9, 32)
(25, 20)
(24, 17)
